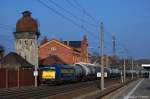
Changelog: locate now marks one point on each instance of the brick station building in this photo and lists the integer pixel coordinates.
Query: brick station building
(67, 52)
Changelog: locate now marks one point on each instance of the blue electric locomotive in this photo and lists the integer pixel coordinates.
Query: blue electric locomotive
(57, 74)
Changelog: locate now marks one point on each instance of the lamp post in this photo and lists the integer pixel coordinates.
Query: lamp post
(102, 55)
(124, 69)
(132, 68)
(36, 64)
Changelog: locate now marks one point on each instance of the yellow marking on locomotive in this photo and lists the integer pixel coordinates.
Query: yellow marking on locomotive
(48, 75)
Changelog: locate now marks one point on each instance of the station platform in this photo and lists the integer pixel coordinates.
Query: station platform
(136, 89)
(139, 89)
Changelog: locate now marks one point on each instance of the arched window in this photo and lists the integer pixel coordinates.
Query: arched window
(19, 41)
(25, 41)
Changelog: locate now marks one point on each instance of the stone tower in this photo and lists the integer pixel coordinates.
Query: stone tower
(26, 36)
(84, 49)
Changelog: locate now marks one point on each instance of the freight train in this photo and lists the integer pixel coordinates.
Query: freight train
(58, 74)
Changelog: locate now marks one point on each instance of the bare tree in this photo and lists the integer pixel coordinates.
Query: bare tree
(2, 51)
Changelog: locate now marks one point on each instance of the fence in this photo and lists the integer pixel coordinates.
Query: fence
(16, 77)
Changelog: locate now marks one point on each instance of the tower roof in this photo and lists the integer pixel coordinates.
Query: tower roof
(26, 23)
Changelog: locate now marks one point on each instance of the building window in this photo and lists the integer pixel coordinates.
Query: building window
(32, 42)
(25, 57)
(25, 42)
(53, 48)
(20, 42)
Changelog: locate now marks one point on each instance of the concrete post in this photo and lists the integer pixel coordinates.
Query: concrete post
(124, 70)
(121, 78)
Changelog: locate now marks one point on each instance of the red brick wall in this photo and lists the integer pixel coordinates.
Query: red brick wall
(64, 52)
(54, 48)
(84, 46)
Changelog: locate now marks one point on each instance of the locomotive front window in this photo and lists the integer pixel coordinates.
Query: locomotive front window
(48, 73)
(48, 69)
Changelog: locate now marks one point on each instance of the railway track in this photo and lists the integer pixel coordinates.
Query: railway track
(45, 91)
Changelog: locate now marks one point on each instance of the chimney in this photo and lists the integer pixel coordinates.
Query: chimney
(26, 14)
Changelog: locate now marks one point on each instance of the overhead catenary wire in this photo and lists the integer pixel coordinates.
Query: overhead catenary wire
(73, 15)
(81, 9)
(108, 45)
(67, 18)
(119, 45)
(6, 27)
(6, 36)
(86, 12)
(10, 28)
